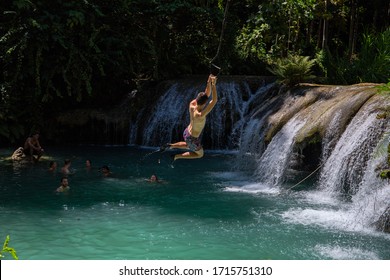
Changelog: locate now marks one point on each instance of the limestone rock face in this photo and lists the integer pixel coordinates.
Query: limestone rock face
(341, 106)
(321, 107)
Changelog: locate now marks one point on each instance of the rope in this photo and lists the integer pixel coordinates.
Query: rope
(304, 179)
(222, 32)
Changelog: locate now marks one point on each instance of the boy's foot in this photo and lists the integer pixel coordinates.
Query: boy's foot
(164, 147)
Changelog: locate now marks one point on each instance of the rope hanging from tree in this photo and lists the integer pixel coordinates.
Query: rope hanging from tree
(214, 69)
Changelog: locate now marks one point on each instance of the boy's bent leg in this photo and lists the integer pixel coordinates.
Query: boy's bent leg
(179, 145)
(190, 155)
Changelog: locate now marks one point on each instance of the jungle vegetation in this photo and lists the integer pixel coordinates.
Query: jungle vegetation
(56, 54)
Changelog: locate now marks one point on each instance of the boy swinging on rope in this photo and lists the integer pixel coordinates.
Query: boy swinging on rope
(199, 108)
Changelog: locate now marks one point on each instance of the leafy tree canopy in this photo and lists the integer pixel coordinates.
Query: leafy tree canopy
(57, 55)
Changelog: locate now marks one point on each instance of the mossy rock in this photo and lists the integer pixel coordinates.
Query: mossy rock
(385, 174)
(382, 116)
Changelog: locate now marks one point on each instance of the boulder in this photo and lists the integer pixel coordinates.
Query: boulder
(18, 154)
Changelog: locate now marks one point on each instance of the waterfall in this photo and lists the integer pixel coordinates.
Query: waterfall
(229, 110)
(343, 170)
(348, 183)
(352, 170)
(168, 116)
(251, 144)
(372, 198)
(349, 190)
(359, 214)
(331, 136)
(274, 161)
(250, 128)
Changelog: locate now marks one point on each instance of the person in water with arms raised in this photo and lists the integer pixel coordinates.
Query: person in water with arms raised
(199, 108)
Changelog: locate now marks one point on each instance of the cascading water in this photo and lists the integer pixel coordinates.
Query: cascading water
(274, 162)
(372, 198)
(223, 117)
(251, 143)
(359, 214)
(167, 117)
(343, 170)
(250, 128)
(349, 190)
(331, 136)
(352, 169)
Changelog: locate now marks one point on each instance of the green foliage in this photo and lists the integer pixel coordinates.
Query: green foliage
(385, 174)
(320, 58)
(275, 29)
(57, 55)
(385, 88)
(7, 249)
(371, 64)
(373, 61)
(250, 42)
(293, 69)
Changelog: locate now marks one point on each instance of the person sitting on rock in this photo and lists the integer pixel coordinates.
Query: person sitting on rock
(32, 147)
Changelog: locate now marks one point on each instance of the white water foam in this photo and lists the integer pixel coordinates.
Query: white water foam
(345, 253)
(240, 182)
(327, 218)
(254, 188)
(355, 216)
(319, 198)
